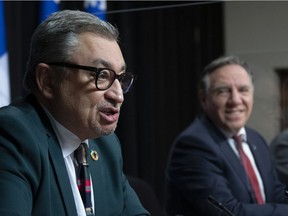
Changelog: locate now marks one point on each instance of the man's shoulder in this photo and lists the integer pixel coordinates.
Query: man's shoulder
(21, 118)
(280, 140)
(18, 111)
(196, 128)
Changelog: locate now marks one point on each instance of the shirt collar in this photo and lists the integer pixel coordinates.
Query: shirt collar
(242, 133)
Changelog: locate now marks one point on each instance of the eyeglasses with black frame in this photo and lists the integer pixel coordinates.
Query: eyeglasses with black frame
(105, 77)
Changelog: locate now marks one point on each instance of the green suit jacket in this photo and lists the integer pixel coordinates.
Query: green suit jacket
(33, 176)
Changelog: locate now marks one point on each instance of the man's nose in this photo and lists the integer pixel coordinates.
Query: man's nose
(235, 96)
(115, 92)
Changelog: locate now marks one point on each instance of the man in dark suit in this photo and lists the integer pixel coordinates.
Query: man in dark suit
(278, 148)
(76, 76)
(218, 166)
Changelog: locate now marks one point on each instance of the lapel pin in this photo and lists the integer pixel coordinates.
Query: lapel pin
(94, 155)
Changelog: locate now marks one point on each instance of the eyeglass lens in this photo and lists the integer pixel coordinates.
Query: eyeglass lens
(106, 77)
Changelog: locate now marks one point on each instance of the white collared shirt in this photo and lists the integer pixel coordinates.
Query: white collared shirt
(69, 142)
(249, 154)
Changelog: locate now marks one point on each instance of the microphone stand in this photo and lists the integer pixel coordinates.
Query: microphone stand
(219, 205)
(286, 191)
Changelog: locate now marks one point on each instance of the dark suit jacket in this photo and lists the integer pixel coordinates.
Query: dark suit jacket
(33, 176)
(279, 151)
(202, 163)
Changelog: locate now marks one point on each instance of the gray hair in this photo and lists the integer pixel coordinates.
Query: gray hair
(57, 38)
(218, 63)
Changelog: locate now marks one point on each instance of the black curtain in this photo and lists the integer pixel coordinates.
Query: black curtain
(166, 44)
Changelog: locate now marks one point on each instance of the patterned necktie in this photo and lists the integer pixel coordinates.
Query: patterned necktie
(249, 170)
(83, 177)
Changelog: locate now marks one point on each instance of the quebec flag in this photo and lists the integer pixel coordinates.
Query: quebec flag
(4, 68)
(96, 7)
(48, 7)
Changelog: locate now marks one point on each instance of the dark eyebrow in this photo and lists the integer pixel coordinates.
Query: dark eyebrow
(106, 64)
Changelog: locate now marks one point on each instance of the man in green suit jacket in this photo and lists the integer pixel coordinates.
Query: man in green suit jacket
(76, 76)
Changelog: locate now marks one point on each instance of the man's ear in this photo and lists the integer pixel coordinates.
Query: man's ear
(44, 79)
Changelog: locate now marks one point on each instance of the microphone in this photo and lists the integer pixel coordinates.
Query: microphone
(220, 206)
(286, 191)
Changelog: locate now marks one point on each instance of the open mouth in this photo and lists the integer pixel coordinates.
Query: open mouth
(109, 114)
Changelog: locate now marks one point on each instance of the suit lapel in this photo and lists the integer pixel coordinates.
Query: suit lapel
(235, 163)
(228, 153)
(59, 167)
(56, 159)
(96, 171)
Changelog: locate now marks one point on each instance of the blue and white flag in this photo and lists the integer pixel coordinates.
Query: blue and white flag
(48, 7)
(96, 7)
(4, 68)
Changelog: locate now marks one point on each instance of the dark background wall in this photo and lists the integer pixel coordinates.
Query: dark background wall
(166, 44)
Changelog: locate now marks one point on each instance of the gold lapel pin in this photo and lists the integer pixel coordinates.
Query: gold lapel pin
(94, 155)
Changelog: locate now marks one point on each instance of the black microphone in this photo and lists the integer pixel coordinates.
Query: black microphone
(219, 205)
